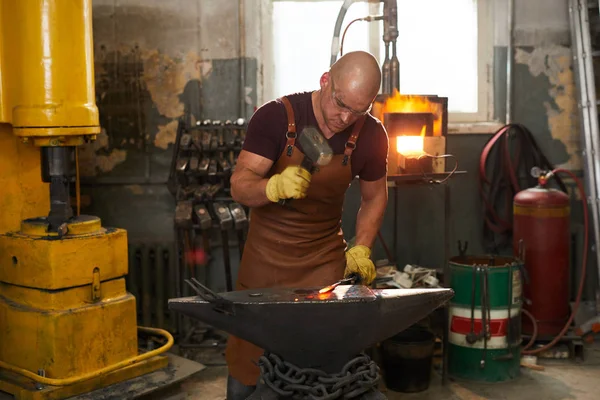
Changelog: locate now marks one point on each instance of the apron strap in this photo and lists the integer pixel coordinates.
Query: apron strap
(291, 131)
(351, 143)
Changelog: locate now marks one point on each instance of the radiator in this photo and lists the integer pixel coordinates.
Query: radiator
(152, 279)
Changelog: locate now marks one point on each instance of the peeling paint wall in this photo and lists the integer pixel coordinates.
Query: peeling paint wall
(156, 61)
(554, 62)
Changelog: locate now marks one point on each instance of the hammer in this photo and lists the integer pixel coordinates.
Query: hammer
(317, 151)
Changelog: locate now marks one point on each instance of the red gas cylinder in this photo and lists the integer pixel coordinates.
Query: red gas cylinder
(541, 221)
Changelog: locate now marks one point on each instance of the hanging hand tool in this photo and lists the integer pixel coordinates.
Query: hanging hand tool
(200, 255)
(224, 164)
(213, 190)
(181, 165)
(203, 166)
(205, 223)
(230, 137)
(206, 140)
(226, 222)
(201, 192)
(186, 140)
(183, 214)
(194, 162)
(241, 222)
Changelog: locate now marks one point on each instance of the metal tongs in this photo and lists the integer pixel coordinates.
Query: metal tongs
(221, 304)
(351, 279)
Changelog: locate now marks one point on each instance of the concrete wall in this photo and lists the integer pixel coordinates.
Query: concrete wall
(156, 58)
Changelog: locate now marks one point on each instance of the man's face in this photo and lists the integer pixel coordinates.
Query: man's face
(340, 107)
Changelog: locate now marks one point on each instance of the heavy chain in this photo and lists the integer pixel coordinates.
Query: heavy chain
(358, 376)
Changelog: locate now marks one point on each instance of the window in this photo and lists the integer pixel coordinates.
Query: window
(444, 48)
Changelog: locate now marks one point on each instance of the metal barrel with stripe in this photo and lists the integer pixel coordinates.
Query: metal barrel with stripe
(485, 318)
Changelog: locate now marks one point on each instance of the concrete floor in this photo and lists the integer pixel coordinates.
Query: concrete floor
(561, 380)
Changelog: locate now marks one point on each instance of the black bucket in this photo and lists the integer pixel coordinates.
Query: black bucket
(407, 360)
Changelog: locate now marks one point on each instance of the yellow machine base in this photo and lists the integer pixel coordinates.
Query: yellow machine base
(25, 389)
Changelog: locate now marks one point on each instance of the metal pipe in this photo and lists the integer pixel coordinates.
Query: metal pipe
(146, 300)
(172, 267)
(335, 41)
(394, 70)
(161, 265)
(132, 276)
(396, 222)
(177, 275)
(186, 275)
(226, 259)
(242, 56)
(390, 35)
(386, 81)
(386, 84)
(509, 61)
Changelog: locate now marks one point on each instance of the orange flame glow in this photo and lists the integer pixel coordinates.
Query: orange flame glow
(398, 103)
(411, 146)
(323, 296)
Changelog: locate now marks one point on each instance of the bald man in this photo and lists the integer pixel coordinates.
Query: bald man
(301, 244)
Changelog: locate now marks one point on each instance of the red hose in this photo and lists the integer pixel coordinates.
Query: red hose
(535, 329)
(583, 271)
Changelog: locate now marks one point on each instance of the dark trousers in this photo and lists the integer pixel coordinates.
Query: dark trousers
(237, 390)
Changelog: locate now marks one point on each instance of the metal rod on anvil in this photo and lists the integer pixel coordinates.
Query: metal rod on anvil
(309, 329)
(350, 280)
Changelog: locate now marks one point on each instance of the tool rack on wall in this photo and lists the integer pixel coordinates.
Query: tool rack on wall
(204, 158)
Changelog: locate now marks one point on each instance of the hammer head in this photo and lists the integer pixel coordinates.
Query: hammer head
(315, 146)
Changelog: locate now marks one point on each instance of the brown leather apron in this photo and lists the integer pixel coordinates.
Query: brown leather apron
(297, 246)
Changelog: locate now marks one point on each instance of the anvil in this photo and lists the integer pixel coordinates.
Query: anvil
(309, 329)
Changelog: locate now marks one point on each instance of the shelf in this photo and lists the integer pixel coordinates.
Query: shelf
(420, 178)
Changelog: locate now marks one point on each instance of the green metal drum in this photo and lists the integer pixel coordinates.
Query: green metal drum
(484, 335)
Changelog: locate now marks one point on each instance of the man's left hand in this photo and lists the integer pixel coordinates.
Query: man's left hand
(358, 261)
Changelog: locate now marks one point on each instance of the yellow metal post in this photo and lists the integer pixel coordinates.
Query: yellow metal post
(48, 69)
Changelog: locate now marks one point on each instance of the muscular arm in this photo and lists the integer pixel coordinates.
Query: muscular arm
(248, 183)
(374, 197)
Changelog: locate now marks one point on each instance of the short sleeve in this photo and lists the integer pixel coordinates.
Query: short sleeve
(376, 160)
(266, 130)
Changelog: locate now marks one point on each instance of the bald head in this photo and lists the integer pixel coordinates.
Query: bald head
(357, 74)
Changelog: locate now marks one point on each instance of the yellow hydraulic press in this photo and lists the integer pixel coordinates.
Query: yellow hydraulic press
(67, 323)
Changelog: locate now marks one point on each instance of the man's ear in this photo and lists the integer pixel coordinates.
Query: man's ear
(324, 80)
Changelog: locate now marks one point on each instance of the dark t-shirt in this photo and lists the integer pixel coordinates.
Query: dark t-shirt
(266, 131)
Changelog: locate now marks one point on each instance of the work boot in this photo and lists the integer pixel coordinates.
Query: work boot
(236, 390)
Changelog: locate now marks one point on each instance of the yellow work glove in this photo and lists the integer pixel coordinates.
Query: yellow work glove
(292, 183)
(358, 261)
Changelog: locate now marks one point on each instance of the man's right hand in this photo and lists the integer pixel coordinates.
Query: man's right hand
(292, 183)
